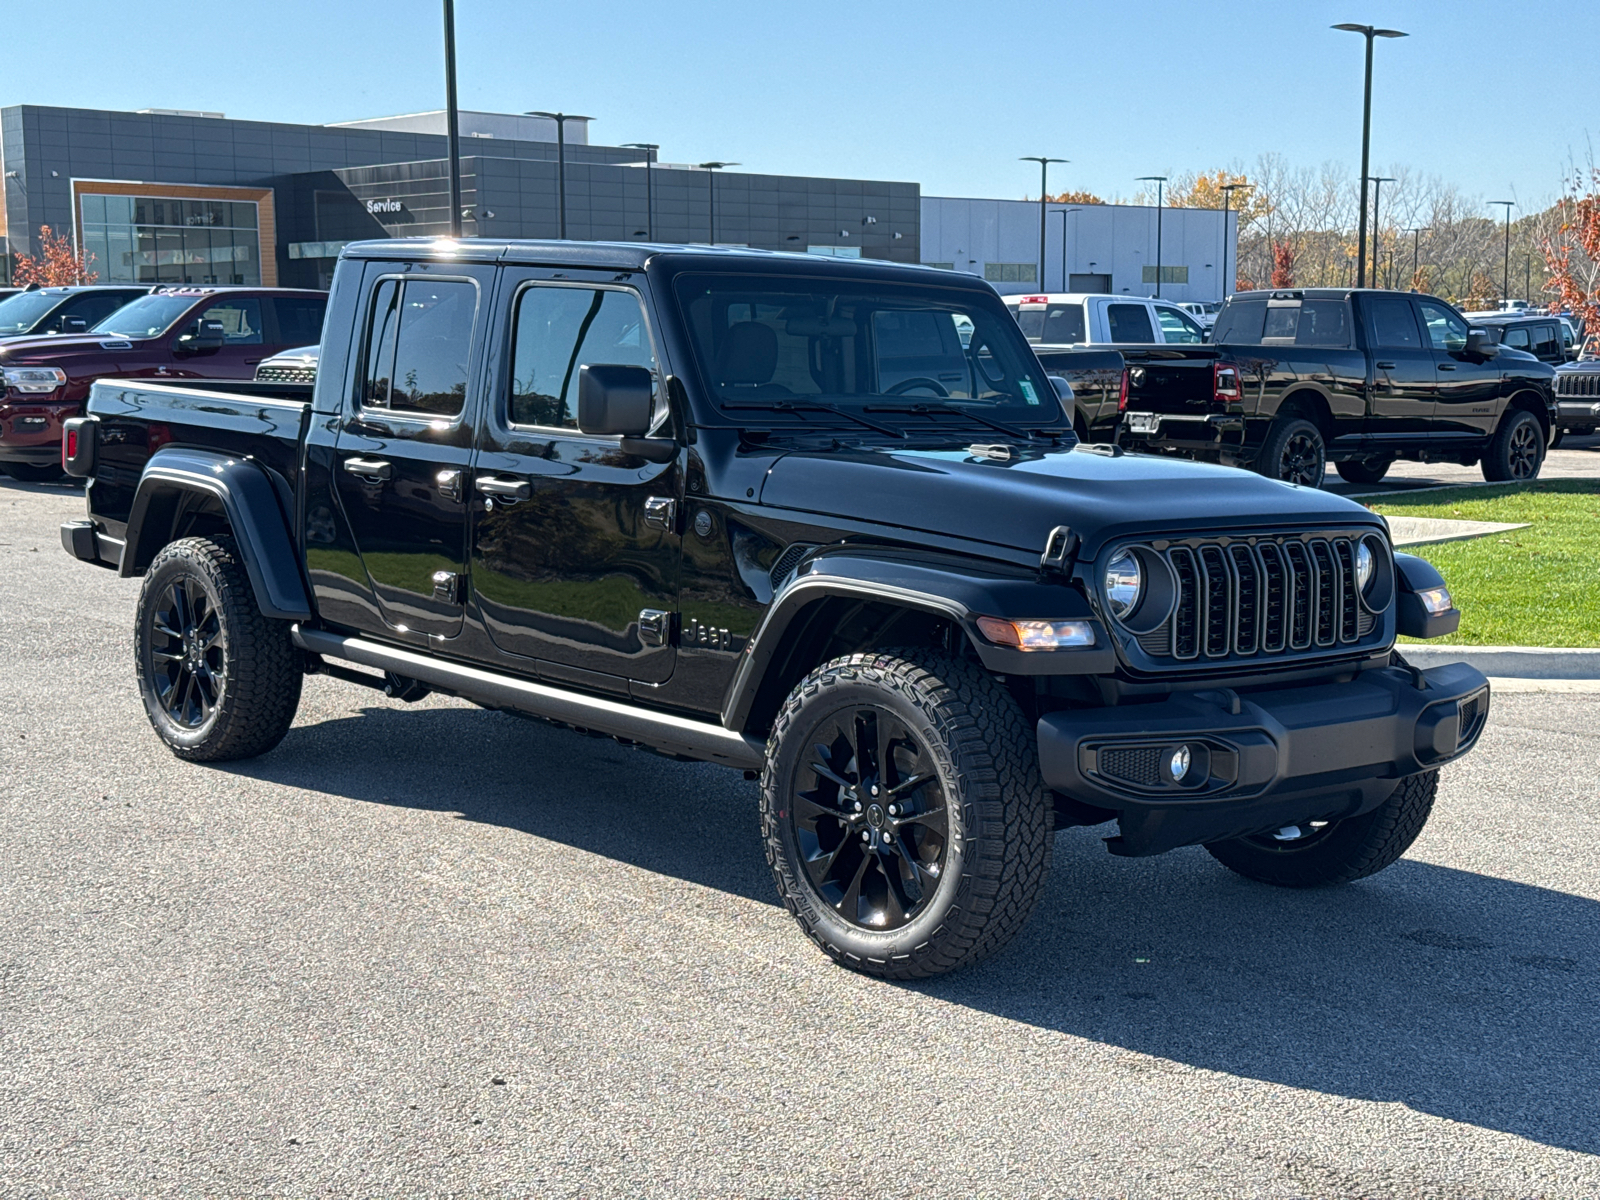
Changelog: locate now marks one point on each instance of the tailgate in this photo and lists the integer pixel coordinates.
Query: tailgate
(1172, 380)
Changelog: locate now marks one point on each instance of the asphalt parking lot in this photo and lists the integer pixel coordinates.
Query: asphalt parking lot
(428, 950)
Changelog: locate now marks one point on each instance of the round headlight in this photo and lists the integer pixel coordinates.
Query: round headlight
(1124, 582)
(1364, 561)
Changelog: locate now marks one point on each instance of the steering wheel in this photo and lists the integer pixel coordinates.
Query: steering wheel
(920, 381)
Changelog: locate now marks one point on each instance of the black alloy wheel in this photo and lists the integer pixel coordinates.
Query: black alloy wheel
(872, 825)
(1516, 452)
(219, 680)
(1365, 470)
(905, 821)
(1295, 453)
(1523, 450)
(187, 653)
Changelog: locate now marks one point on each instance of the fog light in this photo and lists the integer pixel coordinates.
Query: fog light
(1036, 635)
(1435, 600)
(1178, 764)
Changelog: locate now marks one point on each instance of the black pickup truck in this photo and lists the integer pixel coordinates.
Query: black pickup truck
(823, 522)
(1295, 379)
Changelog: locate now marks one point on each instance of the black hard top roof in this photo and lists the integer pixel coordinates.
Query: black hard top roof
(636, 256)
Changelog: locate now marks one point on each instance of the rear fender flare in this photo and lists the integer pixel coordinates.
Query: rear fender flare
(958, 593)
(250, 504)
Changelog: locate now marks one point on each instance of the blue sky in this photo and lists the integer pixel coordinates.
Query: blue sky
(947, 94)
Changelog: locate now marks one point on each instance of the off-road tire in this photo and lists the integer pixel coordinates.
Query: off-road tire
(1365, 470)
(1342, 852)
(1516, 452)
(34, 472)
(1295, 452)
(1000, 817)
(253, 669)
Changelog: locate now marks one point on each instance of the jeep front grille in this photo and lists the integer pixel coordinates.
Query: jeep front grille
(1261, 596)
(1578, 383)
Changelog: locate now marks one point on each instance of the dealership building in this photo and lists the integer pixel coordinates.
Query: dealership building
(191, 197)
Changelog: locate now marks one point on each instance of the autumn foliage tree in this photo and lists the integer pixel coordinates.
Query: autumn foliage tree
(1073, 198)
(1282, 264)
(56, 265)
(1572, 252)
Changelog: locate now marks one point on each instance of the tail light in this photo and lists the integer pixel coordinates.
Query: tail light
(1225, 383)
(78, 444)
(1122, 393)
(157, 436)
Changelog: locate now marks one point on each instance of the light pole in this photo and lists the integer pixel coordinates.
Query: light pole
(1227, 194)
(1505, 282)
(561, 120)
(1377, 230)
(1160, 181)
(651, 151)
(1063, 212)
(711, 169)
(1044, 190)
(452, 129)
(1416, 245)
(1369, 33)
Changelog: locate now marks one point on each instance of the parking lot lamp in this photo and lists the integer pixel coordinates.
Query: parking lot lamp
(651, 152)
(1369, 33)
(452, 125)
(1505, 278)
(561, 120)
(1063, 212)
(1416, 245)
(1227, 194)
(1160, 182)
(1377, 230)
(1044, 190)
(711, 169)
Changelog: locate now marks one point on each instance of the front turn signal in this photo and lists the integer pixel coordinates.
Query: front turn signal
(1036, 635)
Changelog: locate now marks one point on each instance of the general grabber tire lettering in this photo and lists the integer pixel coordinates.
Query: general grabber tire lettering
(219, 680)
(903, 814)
(1336, 851)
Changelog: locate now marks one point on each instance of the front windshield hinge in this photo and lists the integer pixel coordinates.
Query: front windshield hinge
(1058, 548)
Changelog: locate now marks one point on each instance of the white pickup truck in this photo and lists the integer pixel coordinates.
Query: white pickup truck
(1088, 319)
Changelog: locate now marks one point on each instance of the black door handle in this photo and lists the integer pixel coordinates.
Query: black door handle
(368, 468)
(506, 489)
(1384, 366)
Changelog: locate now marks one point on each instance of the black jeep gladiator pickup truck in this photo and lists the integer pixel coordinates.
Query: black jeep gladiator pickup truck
(769, 511)
(1295, 379)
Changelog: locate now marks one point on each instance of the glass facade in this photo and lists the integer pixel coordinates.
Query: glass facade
(166, 239)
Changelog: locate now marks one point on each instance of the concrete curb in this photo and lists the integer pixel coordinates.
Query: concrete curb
(1515, 662)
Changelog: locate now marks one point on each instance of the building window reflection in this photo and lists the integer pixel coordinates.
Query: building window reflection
(166, 239)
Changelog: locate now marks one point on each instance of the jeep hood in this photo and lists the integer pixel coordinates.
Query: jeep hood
(1016, 502)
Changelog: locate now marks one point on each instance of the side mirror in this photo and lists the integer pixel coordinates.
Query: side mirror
(614, 399)
(1064, 392)
(204, 335)
(73, 325)
(1481, 344)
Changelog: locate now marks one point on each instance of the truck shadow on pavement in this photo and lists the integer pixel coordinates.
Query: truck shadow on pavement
(1461, 995)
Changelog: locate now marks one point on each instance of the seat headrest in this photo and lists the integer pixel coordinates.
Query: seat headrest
(749, 354)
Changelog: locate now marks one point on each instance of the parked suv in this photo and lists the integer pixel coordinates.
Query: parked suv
(821, 521)
(40, 311)
(1298, 378)
(167, 333)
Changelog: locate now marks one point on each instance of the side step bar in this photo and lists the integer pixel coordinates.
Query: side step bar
(660, 731)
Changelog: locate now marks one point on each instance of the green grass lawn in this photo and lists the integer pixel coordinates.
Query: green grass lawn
(1538, 586)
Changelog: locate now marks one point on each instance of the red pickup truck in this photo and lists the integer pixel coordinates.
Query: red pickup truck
(171, 333)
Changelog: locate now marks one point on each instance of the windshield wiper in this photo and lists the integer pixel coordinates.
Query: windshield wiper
(811, 406)
(1011, 430)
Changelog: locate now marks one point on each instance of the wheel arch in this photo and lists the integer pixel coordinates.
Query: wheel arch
(1310, 403)
(1529, 402)
(187, 492)
(850, 601)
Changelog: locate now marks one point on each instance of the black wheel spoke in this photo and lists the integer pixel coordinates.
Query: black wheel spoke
(808, 809)
(910, 785)
(933, 819)
(165, 655)
(850, 903)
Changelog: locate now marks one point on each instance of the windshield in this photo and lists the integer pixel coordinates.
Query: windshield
(146, 317)
(868, 347)
(20, 313)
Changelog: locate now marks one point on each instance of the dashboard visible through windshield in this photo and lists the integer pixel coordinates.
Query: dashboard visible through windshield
(869, 348)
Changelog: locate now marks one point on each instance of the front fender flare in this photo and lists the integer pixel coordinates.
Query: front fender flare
(250, 503)
(959, 592)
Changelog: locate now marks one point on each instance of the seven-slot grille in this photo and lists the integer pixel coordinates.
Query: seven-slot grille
(276, 374)
(1578, 383)
(1246, 597)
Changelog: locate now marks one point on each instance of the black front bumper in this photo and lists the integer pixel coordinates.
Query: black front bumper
(1578, 414)
(1262, 761)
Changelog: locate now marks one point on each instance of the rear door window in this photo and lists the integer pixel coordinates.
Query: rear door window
(1177, 328)
(1323, 323)
(1393, 325)
(1129, 323)
(299, 318)
(1516, 338)
(418, 341)
(1546, 344)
